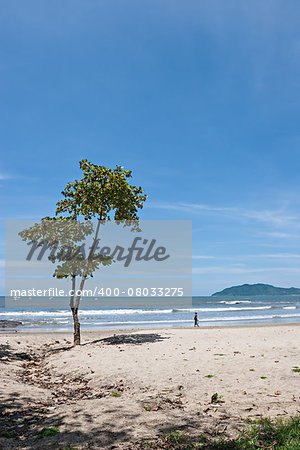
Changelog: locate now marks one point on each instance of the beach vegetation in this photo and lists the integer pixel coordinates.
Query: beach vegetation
(115, 394)
(146, 443)
(45, 432)
(176, 437)
(296, 369)
(7, 434)
(216, 398)
(208, 376)
(280, 434)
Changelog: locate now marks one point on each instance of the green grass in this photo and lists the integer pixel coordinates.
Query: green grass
(208, 376)
(219, 354)
(7, 434)
(48, 432)
(216, 398)
(261, 434)
(176, 437)
(263, 378)
(147, 443)
(115, 394)
(147, 408)
(295, 369)
(265, 433)
(182, 440)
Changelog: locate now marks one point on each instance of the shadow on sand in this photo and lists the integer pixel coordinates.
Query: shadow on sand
(133, 339)
(22, 421)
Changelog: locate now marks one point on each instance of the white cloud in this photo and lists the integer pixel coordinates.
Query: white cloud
(278, 255)
(190, 207)
(245, 271)
(278, 218)
(4, 176)
(279, 235)
(203, 257)
(252, 256)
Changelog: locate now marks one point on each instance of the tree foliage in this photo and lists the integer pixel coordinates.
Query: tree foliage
(103, 194)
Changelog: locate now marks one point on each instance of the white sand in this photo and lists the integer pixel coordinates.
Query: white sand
(162, 381)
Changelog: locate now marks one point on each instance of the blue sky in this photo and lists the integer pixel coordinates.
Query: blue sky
(200, 99)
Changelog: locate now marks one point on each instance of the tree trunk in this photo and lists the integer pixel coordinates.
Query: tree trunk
(79, 291)
(84, 277)
(76, 326)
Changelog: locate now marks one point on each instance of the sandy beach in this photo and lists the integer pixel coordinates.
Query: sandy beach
(119, 388)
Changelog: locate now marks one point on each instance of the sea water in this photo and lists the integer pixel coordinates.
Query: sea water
(212, 311)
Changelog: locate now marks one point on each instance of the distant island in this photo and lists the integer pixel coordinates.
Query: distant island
(257, 289)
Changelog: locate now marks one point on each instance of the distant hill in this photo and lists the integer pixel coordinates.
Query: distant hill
(257, 289)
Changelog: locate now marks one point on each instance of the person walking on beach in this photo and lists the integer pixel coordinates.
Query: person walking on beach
(196, 320)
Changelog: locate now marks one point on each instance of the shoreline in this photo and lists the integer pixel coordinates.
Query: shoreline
(130, 330)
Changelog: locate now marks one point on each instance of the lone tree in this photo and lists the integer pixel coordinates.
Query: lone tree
(103, 194)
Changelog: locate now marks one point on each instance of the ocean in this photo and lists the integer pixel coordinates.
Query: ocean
(212, 311)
